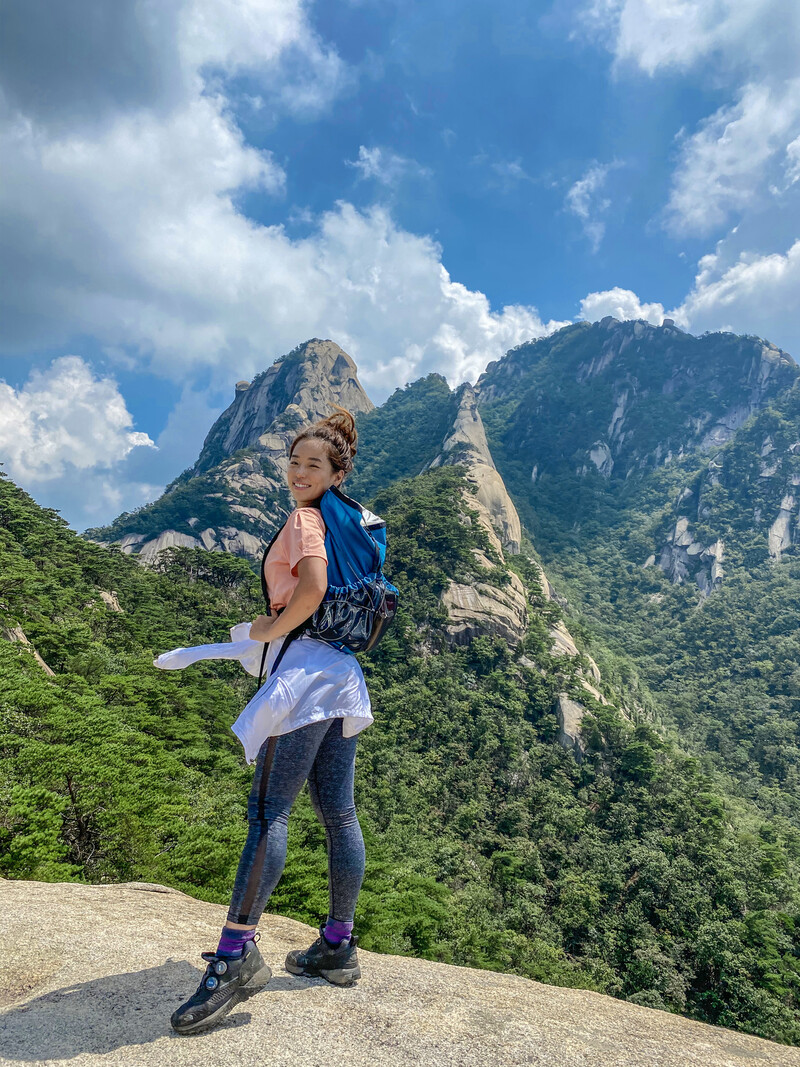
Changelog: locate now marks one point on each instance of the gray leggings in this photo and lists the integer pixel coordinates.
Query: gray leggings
(321, 754)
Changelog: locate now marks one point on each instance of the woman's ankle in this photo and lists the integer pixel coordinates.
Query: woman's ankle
(337, 931)
(232, 941)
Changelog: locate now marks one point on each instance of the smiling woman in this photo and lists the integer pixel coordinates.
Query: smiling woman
(311, 711)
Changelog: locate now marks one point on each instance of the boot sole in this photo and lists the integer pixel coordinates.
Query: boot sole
(340, 976)
(249, 989)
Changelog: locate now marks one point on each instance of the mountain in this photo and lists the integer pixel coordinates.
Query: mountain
(297, 389)
(240, 475)
(618, 398)
(657, 473)
(601, 434)
(587, 799)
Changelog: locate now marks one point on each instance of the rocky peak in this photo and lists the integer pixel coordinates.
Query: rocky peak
(235, 496)
(296, 390)
(466, 443)
(482, 607)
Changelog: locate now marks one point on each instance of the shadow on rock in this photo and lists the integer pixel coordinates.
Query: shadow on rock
(103, 1015)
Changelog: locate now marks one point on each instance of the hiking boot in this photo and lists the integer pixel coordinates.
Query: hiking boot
(337, 965)
(227, 981)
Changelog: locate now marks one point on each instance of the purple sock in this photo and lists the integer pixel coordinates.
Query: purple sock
(232, 941)
(337, 931)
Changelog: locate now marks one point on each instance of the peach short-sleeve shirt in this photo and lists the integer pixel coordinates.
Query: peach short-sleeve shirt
(302, 535)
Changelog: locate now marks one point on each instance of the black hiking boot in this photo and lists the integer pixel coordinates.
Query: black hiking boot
(336, 965)
(227, 981)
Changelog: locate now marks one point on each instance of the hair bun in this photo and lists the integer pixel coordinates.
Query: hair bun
(343, 422)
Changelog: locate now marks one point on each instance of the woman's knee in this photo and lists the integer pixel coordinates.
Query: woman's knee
(337, 818)
(268, 811)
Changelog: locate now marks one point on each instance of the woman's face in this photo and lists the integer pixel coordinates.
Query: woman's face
(310, 471)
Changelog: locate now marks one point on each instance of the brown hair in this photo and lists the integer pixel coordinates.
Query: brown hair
(338, 431)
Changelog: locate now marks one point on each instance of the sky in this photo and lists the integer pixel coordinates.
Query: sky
(191, 188)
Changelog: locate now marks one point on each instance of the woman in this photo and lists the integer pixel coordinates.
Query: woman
(324, 690)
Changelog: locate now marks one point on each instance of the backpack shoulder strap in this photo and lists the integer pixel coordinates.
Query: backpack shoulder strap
(265, 592)
(286, 642)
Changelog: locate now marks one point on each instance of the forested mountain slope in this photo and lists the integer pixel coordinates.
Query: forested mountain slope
(682, 554)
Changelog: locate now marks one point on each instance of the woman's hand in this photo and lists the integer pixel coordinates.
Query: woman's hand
(261, 626)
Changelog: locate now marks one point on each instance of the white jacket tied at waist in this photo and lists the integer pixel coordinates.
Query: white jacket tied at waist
(313, 681)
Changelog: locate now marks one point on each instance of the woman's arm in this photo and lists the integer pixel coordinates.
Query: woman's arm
(312, 572)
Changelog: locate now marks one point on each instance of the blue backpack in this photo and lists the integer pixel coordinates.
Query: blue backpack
(359, 602)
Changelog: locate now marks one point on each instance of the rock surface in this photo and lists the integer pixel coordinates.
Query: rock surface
(105, 966)
(482, 608)
(682, 556)
(466, 443)
(17, 635)
(570, 715)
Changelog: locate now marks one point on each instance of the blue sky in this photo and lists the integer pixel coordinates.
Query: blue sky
(193, 187)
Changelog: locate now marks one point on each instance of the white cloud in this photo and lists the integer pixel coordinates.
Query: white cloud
(724, 166)
(510, 169)
(64, 416)
(385, 166)
(510, 173)
(273, 39)
(621, 304)
(732, 161)
(385, 296)
(584, 199)
(792, 164)
(243, 33)
(130, 233)
(662, 34)
(751, 294)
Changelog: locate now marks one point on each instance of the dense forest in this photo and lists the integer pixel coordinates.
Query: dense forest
(637, 872)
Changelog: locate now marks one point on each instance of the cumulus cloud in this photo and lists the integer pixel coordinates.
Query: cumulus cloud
(131, 233)
(725, 164)
(732, 160)
(749, 294)
(386, 297)
(64, 416)
(654, 35)
(621, 304)
(136, 54)
(585, 200)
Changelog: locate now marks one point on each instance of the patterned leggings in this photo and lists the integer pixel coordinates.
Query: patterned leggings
(317, 752)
